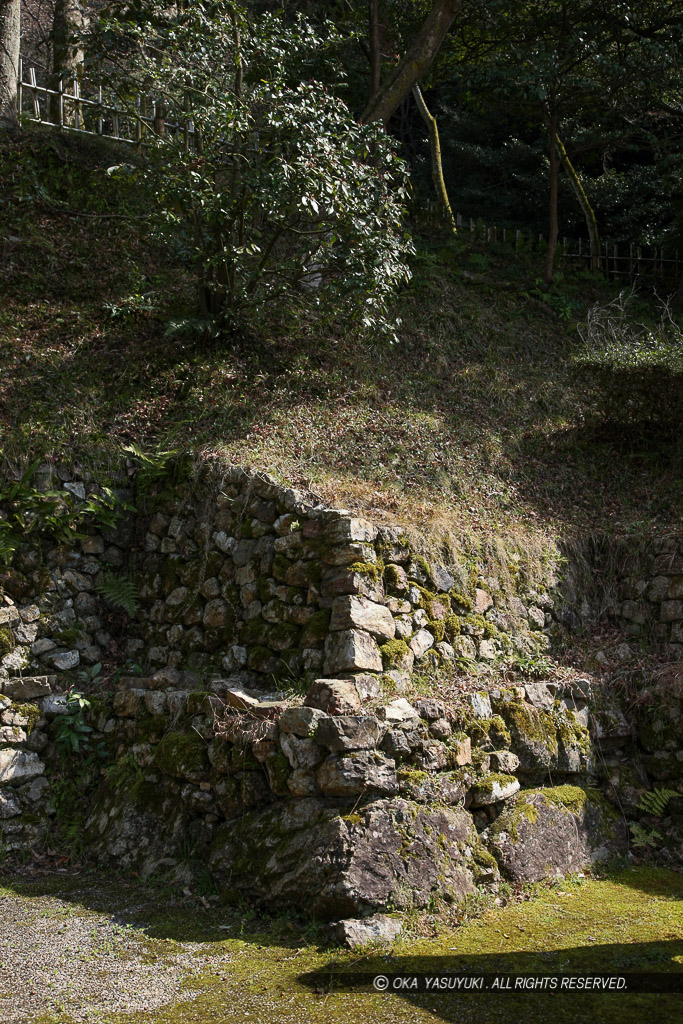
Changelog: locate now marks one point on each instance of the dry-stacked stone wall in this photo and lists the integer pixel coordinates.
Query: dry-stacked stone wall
(650, 589)
(347, 803)
(240, 576)
(266, 730)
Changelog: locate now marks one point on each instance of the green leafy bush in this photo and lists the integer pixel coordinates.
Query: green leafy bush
(280, 195)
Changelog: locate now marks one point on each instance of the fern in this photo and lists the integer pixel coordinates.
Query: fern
(643, 836)
(656, 801)
(119, 591)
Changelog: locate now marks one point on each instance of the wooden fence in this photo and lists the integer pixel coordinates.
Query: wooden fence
(80, 105)
(618, 260)
(94, 110)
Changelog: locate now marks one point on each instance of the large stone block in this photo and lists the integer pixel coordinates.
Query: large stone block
(554, 832)
(334, 696)
(388, 854)
(352, 650)
(351, 732)
(28, 688)
(342, 531)
(356, 612)
(360, 772)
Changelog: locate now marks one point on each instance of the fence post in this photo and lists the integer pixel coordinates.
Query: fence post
(77, 106)
(60, 101)
(100, 119)
(20, 87)
(36, 103)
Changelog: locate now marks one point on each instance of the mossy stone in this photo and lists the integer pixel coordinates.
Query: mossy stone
(182, 755)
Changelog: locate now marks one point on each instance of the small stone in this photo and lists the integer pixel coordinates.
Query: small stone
(441, 578)
(421, 643)
(480, 704)
(492, 790)
(357, 612)
(369, 687)
(358, 772)
(301, 752)
(355, 932)
(255, 702)
(482, 601)
(334, 696)
(31, 613)
(177, 597)
(536, 618)
(504, 761)
(517, 607)
(65, 660)
(16, 765)
(352, 649)
(301, 721)
(210, 588)
(9, 805)
(350, 732)
(235, 658)
(487, 650)
(215, 614)
(8, 614)
(399, 713)
(539, 695)
(76, 488)
(55, 705)
(430, 708)
(302, 783)
(446, 651)
(461, 752)
(440, 728)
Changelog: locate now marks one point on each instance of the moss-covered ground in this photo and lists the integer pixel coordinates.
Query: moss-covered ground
(243, 967)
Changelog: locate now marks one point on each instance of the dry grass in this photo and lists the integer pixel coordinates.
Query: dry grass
(470, 427)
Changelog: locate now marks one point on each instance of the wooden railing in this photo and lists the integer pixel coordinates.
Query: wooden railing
(81, 105)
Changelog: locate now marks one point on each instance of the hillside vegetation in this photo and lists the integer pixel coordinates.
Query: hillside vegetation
(478, 419)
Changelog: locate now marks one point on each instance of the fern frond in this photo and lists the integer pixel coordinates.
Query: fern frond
(119, 591)
(656, 801)
(642, 836)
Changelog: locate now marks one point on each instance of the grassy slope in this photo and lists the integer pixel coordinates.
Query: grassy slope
(472, 422)
(630, 921)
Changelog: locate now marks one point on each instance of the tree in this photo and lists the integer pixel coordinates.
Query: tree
(10, 28)
(442, 199)
(586, 65)
(68, 26)
(415, 62)
(289, 199)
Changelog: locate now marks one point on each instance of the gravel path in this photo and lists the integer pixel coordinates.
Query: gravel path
(59, 957)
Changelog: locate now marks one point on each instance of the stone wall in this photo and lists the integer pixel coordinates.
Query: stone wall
(240, 576)
(650, 592)
(333, 790)
(348, 803)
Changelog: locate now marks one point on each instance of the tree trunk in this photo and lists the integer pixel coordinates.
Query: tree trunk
(375, 55)
(68, 23)
(588, 212)
(10, 27)
(435, 151)
(415, 62)
(553, 230)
